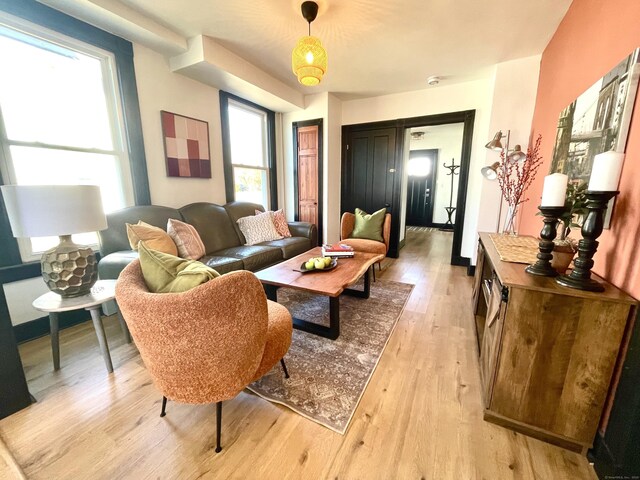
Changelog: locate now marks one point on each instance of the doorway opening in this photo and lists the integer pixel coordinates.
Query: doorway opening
(307, 173)
(374, 173)
(431, 166)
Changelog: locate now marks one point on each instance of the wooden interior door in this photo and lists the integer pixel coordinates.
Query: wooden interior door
(420, 187)
(308, 174)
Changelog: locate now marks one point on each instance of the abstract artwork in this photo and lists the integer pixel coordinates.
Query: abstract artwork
(186, 146)
(597, 121)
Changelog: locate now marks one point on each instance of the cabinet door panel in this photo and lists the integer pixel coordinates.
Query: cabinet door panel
(496, 312)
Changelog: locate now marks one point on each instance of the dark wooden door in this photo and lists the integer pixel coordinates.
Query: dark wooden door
(420, 191)
(308, 174)
(369, 170)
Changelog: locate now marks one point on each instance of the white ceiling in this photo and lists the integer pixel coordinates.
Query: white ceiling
(374, 47)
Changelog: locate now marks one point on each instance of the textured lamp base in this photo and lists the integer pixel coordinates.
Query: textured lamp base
(70, 270)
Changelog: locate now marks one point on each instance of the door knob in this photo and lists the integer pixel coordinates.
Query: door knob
(387, 205)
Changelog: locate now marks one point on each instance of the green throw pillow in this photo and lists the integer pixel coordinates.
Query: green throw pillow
(369, 226)
(165, 273)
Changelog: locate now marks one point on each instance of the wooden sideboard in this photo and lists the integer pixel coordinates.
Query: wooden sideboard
(547, 353)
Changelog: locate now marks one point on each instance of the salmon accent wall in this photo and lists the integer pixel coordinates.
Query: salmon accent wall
(592, 38)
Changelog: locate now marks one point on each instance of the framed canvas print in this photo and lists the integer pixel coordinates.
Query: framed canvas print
(186, 146)
(597, 121)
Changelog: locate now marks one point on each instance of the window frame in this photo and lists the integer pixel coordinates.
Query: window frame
(114, 110)
(269, 148)
(133, 142)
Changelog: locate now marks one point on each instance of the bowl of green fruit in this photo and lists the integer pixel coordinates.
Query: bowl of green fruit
(319, 264)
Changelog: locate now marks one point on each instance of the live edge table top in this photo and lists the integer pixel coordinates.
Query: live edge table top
(330, 283)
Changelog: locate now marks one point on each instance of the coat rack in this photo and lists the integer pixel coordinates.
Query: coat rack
(450, 209)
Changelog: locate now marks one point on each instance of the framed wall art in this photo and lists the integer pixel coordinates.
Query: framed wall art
(597, 121)
(186, 146)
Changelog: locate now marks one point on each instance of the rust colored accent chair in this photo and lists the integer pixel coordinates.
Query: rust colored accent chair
(207, 344)
(347, 223)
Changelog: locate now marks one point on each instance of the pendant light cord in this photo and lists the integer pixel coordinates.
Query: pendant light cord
(309, 28)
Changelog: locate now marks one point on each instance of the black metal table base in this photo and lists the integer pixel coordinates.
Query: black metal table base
(333, 330)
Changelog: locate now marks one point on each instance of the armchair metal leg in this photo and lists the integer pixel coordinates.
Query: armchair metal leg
(284, 367)
(164, 406)
(218, 426)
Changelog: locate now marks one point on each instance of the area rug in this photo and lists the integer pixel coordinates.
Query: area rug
(328, 377)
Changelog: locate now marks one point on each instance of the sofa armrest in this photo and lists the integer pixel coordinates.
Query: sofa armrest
(304, 229)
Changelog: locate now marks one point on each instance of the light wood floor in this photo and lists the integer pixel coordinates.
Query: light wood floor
(420, 417)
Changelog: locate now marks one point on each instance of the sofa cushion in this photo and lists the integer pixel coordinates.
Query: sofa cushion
(238, 210)
(154, 237)
(165, 273)
(213, 224)
(258, 228)
(114, 238)
(291, 246)
(186, 238)
(110, 266)
(366, 246)
(369, 226)
(222, 264)
(254, 257)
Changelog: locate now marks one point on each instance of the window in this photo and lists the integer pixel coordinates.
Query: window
(61, 120)
(249, 158)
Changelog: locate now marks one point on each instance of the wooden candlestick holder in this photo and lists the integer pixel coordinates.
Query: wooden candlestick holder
(543, 267)
(580, 276)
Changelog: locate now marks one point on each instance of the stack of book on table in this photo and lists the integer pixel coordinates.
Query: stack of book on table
(337, 250)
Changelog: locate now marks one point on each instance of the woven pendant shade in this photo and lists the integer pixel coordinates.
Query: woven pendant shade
(309, 61)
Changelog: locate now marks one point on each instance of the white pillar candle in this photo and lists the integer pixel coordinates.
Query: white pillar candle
(605, 173)
(554, 190)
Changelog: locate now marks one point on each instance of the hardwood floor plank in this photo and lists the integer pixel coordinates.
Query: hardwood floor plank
(420, 417)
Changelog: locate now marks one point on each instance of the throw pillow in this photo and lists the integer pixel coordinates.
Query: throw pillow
(164, 273)
(258, 229)
(156, 238)
(186, 238)
(279, 221)
(369, 226)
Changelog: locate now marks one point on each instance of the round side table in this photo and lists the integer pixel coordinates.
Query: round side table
(101, 292)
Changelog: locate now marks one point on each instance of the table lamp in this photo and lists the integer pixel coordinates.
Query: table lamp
(68, 269)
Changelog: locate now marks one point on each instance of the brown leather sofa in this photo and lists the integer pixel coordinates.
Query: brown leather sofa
(217, 227)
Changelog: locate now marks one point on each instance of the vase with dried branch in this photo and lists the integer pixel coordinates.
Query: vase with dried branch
(514, 178)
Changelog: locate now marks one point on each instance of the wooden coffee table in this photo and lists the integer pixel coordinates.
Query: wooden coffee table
(331, 284)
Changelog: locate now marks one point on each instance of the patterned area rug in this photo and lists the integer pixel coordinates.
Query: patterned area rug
(426, 229)
(328, 377)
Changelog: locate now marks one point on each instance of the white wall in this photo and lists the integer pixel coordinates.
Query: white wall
(447, 139)
(327, 107)
(516, 84)
(476, 95)
(160, 89)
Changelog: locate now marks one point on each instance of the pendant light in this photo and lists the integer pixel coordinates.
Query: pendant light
(309, 59)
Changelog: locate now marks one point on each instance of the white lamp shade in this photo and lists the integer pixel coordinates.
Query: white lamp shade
(44, 210)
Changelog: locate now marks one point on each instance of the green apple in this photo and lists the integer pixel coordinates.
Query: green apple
(310, 265)
(327, 261)
(319, 264)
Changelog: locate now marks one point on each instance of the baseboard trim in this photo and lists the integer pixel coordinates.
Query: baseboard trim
(402, 243)
(460, 261)
(40, 326)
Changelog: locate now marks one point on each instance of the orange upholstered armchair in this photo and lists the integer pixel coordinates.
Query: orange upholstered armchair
(207, 344)
(347, 223)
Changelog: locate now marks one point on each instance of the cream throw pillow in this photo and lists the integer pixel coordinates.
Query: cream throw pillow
(258, 229)
(186, 238)
(279, 221)
(154, 237)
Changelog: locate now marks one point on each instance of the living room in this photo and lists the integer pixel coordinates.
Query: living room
(418, 409)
